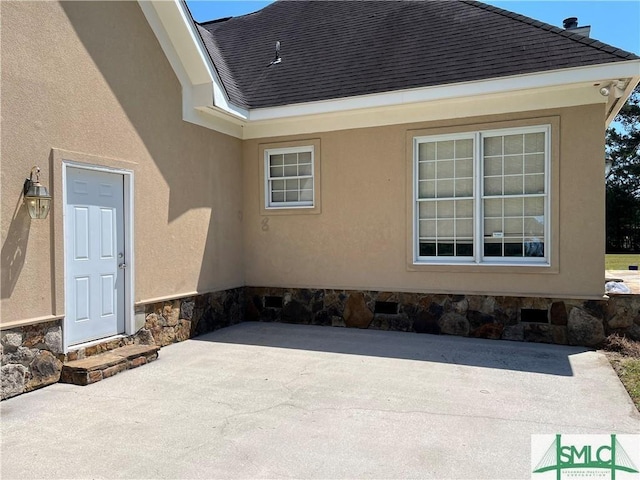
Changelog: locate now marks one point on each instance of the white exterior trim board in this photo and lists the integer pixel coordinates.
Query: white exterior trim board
(557, 78)
(452, 108)
(181, 43)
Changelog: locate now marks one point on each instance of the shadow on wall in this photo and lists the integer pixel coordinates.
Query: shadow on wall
(14, 249)
(503, 355)
(194, 161)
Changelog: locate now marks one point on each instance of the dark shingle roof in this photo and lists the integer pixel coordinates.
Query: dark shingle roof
(337, 49)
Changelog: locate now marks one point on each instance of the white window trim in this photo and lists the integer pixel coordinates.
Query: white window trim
(478, 167)
(267, 187)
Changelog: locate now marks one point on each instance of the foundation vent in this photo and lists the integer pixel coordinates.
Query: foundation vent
(534, 315)
(272, 302)
(387, 308)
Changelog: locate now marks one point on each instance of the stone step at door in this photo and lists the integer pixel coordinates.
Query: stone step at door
(105, 365)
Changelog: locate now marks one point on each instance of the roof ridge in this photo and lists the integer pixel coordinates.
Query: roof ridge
(588, 41)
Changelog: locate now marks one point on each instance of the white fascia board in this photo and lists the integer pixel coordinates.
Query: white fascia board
(210, 117)
(183, 47)
(175, 22)
(450, 108)
(206, 103)
(618, 103)
(595, 73)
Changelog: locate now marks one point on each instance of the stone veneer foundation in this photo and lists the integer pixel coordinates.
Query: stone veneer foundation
(529, 319)
(32, 355)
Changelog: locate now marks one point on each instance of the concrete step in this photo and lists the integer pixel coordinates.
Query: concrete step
(105, 365)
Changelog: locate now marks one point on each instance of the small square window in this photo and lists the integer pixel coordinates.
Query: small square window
(290, 180)
(289, 177)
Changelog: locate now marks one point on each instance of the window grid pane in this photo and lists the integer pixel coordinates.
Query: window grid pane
(514, 195)
(290, 178)
(445, 198)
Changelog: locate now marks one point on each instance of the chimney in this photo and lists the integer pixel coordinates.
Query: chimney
(571, 24)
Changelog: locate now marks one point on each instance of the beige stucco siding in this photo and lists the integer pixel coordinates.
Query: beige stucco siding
(88, 82)
(91, 78)
(361, 238)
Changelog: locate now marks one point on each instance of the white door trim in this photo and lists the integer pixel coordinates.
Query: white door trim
(129, 272)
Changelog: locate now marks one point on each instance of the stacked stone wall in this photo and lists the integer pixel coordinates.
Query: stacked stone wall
(32, 355)
(179, 320)
(623, 315)
(529, 319)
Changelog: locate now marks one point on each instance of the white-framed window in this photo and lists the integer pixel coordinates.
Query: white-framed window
(289, 177)
(483, 197)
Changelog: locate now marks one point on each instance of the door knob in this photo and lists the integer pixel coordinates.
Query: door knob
(122, 265)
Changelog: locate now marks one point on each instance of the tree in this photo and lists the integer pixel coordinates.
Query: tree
(623, 181)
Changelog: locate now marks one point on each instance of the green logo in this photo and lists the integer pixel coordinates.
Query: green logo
(588, 455)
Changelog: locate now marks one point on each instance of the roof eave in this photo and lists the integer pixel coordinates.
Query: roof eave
(176, 32)
(616, 102)
(598, 74)
(206, 103)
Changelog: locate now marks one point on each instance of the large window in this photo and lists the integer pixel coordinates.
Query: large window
(482, 197)
(289, 177)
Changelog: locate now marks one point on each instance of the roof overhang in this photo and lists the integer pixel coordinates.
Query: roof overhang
(206, 103)
(171, 22)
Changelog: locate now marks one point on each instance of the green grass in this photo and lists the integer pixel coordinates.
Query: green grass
(630, 376)
(624, 355)
(621, 261)
(628, 369)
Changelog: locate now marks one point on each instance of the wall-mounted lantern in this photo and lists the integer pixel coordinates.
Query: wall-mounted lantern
(608, 165)
(36, 196)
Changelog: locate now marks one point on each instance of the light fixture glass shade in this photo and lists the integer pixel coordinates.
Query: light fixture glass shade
(608, 165)
(37, 200)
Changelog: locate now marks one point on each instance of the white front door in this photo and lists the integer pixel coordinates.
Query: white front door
(94, 255)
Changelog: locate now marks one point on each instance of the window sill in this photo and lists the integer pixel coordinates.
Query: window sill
(501, 268)
(309, 210)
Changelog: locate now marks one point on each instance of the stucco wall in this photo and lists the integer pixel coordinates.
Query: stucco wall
(90, 77)
(361, 237)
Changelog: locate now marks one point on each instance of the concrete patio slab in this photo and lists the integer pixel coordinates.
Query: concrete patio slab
(287, 401)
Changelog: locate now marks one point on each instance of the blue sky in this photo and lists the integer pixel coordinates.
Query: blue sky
(614, 22)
